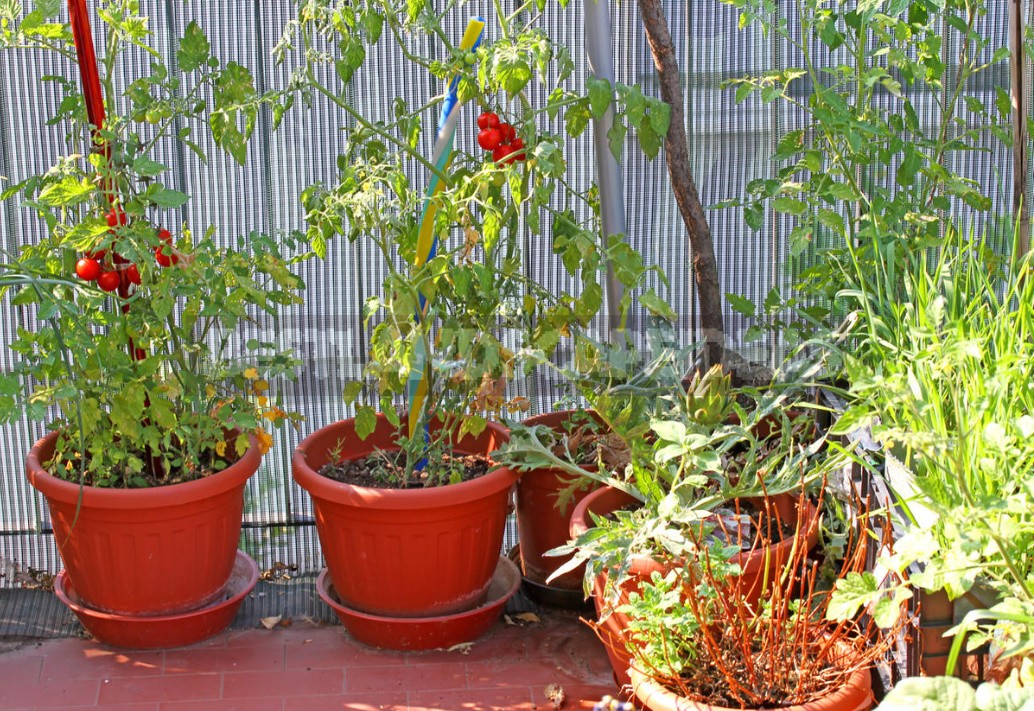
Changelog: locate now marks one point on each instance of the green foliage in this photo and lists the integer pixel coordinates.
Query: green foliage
(936, 693)
(940, 365)
(858, 171)
(140, 381)
(690, 450)
(489, 214)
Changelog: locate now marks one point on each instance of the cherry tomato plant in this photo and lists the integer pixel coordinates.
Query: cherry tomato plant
(505, 196)
(129, 357)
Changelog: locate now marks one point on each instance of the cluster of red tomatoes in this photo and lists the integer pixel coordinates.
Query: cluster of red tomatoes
(111, 273)
(500, 138)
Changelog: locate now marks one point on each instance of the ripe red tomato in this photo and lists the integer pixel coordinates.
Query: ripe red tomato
(165, 257)
(499, 154)
(88, 268)
(165, 236)
(116, 217)
(108, 281)
(490, 138)
(140, 353)
(98, 255)
(508, 131)
(488, 120)
(517, 149)
(133, 274)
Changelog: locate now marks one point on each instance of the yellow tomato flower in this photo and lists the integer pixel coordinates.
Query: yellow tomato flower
(251, 373)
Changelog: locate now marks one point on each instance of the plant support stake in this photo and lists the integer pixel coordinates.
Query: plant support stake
(600, 51)
(1020, 106)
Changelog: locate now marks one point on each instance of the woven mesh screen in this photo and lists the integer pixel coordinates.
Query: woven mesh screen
(730, 145)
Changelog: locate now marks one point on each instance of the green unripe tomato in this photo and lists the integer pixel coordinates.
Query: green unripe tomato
(470, 58)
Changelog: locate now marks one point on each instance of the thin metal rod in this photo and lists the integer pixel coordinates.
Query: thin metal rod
(599, 47)
(1020, 106)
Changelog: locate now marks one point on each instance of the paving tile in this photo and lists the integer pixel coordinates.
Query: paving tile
(331, 648)
(261, 656)
(472, 700)
(58, 693)
(377, 701)
(488, 647)
(396, 678)
(491, 674)
(21, 664)
(295, 682)
(94, 661)
(581, 656)
(271, 704)
(179, 687)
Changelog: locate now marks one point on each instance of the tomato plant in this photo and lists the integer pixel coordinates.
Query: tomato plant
(130, 362)
(479, 312)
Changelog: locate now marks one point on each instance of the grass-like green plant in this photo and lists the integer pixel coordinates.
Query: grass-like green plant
(941, 368)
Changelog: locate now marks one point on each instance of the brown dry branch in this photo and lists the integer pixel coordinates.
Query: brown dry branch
(784, 653)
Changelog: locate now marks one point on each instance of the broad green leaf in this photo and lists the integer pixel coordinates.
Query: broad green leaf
(146, 167)
(669, 430)
(352, 391)
(741, 305)
(600, 95)
(165, 197)
(511, 69)
(577, 118)
(852, 593)
(930, 694)
(616, 137)
(789, 205)
(365, 421)
(657, 306)
(649, 140)
(660, 116)
(194, 48)
(68, 191)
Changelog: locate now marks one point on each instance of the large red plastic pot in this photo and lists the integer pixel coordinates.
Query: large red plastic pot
(757, 567)
(541, 526)
(157, 551)
(406, 552)
(855, 695)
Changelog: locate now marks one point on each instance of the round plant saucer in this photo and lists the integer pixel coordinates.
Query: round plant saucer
(164, 631)
(416, 633)
(549, 595)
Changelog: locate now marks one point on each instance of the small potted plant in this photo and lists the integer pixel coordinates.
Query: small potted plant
(410, 506)
(546, 496)
(696, 456)
(693, 646)
(156, 422)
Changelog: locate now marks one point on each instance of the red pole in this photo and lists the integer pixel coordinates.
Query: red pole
(80, 19)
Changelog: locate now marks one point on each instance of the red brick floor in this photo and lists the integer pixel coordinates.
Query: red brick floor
(309, 668)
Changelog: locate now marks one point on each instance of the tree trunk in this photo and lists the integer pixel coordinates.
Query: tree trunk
(705, 268)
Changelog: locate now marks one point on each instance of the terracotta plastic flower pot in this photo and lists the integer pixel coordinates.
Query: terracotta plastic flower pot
(157, 551)
(541, 526)
(855, 695)
(757, 567)
(406, 552)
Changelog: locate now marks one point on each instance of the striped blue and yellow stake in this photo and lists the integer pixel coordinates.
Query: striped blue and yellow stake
(427, 238)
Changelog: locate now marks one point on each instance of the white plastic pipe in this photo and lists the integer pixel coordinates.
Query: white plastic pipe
(599, 47)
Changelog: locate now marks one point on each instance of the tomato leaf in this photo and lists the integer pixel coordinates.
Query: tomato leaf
(194, 48)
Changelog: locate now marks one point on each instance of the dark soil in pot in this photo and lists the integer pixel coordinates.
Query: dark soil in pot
(386, 469)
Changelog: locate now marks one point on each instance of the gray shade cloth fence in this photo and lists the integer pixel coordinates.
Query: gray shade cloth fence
(730, 144)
